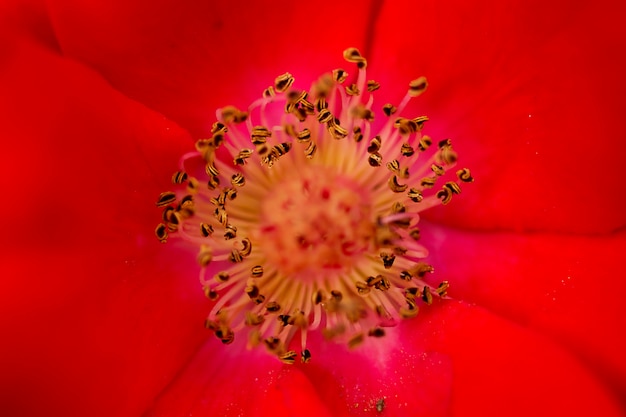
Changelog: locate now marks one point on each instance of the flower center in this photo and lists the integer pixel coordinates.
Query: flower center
(318, 222)
(306, 220)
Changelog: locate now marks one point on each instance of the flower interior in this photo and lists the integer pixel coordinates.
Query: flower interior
(306, 218)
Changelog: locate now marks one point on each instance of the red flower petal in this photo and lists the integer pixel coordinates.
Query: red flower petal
(568, 288)
(28, 18)
(455, 360)
(531, 94)
(491, 69)
(248, 384)
(97, 315)
(392, 374)
(187, 61)
(500, 368)
(110, 291)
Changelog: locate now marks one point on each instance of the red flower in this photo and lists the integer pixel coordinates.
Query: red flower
(98, 318)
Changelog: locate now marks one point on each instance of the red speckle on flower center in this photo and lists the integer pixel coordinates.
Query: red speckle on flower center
(315, 222)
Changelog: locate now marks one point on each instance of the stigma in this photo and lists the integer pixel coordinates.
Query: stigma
(306, 217)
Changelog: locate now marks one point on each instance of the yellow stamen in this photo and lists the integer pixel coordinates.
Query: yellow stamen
(298, 227)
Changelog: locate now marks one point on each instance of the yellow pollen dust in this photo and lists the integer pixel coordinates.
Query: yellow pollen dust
(306, 219)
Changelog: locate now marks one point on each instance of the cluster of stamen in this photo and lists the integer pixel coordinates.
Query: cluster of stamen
(305, 219)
